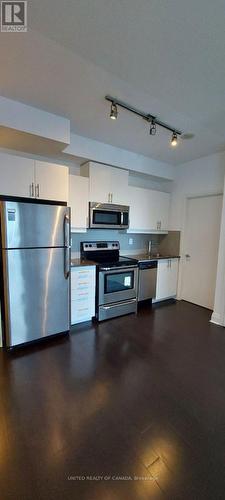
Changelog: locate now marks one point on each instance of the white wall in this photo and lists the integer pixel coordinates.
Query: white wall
(21, 117)
(202, 176)
(218, 315)
(97, 151)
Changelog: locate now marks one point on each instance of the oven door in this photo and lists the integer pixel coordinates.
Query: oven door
(117, 284)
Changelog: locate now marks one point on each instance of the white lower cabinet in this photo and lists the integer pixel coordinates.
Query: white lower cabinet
(82, 293)
(167, 276)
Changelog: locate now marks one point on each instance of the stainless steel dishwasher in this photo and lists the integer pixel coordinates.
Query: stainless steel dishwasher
(147, 279)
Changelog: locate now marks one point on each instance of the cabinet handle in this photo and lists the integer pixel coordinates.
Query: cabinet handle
(37, 191)
(32, 189)
(111, 197)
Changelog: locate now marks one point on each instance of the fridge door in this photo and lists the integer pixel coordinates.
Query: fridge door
(32, 225)
(36, 293)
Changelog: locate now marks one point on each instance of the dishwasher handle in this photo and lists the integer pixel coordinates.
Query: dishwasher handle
(152, 264)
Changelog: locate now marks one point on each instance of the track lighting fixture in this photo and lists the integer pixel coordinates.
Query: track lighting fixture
(152, 130)
(174, 139)
(114, 111)
(153, 120)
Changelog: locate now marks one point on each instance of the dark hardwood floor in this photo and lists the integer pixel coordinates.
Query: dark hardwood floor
(138, 401)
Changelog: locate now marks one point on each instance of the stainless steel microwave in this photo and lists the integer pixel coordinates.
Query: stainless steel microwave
(108, 216)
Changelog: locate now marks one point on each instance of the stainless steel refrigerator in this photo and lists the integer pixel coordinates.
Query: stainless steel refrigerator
(35, 271)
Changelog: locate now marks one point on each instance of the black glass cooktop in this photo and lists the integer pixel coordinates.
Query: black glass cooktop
(121, 262)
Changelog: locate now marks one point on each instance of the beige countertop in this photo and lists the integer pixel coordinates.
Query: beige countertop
(79, 262)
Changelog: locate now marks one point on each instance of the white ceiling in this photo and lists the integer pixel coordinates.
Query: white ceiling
(167, 58)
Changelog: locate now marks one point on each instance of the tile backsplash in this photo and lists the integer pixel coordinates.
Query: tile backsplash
(140, 241)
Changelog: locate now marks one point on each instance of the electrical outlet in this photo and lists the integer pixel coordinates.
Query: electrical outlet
(131, 241)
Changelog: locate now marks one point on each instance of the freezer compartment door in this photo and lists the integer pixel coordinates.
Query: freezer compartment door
(32, 225)
(37, 294)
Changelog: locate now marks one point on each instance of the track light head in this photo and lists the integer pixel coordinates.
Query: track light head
(152, 130)
(174, 139)
(114, 111)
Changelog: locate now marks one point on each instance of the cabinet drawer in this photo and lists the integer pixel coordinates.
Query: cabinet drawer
(82, 310)
(83, 278)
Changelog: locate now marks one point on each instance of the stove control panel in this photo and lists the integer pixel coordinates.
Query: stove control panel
(93, 246)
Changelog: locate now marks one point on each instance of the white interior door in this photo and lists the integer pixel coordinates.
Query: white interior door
(202, 230)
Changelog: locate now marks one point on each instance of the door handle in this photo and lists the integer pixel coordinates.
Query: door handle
(66, 230)
(67, 262)
(126, 302)
(187, 256)
(37, 191)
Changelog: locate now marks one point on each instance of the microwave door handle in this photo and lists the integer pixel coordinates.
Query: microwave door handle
(122, 218)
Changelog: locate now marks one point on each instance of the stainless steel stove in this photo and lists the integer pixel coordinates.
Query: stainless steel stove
(117, 279)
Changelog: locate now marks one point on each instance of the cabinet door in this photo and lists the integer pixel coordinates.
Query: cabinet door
(16, 175)
(174, 265)
(119, 185)
(82, 294)
(78, 201)
(52, 181)
(163, 280)
(138, 200)
(167, 276)
(162, 214)
(100, 183)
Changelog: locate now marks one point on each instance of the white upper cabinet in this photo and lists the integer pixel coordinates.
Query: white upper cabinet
(78, 201)
(149, 210)
(28, 178)
(106, 184)
(162, 207)
(51, 181)
(16, 175)
(119, 185)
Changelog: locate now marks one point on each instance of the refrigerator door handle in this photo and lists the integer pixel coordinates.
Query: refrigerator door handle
(67, 246)
(66, 262)
(66, 230)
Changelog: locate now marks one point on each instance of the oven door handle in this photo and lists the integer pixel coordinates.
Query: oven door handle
(124, 302)
(122, 269)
